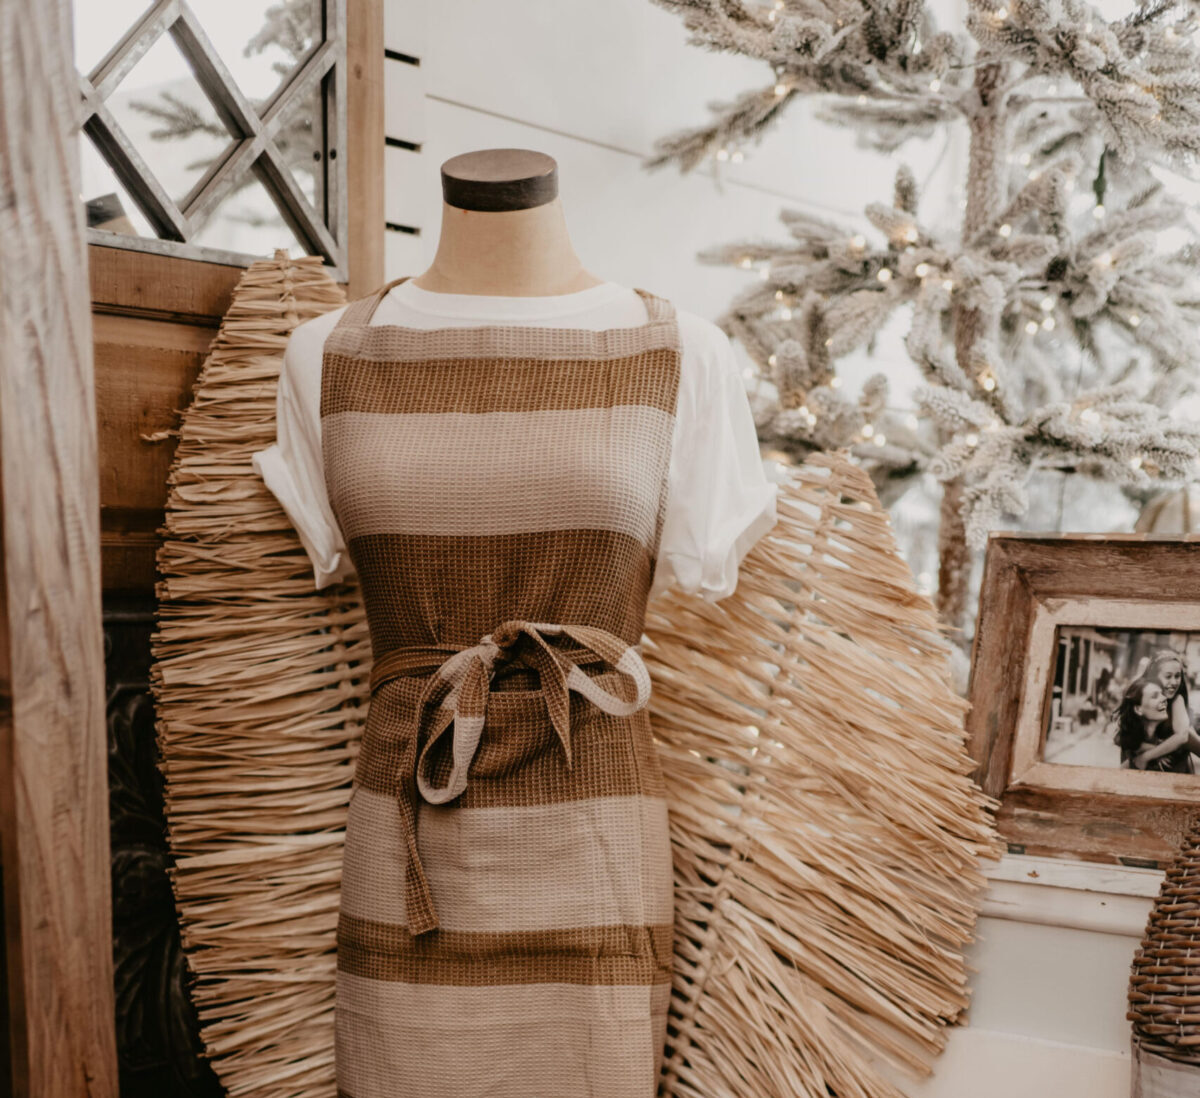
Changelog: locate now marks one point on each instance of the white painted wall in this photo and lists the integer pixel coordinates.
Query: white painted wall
(594, 85)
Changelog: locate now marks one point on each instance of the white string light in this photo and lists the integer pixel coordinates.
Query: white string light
(921, 270)
(1031, 327)
(884, 274)
(1005, 230)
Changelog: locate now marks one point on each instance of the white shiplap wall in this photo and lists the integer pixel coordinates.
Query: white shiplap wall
(593, 85)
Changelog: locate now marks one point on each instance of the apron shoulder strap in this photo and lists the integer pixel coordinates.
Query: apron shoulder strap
(360, 311)
(657, 308)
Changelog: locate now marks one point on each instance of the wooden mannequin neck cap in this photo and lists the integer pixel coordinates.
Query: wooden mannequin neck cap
(499, 179)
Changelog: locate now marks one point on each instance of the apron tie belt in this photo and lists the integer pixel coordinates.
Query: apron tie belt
(459, 688)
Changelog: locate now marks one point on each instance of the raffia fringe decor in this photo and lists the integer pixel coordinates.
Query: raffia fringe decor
(824, 827)
(1164, 984)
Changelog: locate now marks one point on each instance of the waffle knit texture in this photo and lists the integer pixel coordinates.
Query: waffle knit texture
(506, 916)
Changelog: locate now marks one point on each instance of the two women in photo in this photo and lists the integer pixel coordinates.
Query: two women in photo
(1154, 720)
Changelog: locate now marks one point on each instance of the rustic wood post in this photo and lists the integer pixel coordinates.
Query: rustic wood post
(53, 784)
(364, 143)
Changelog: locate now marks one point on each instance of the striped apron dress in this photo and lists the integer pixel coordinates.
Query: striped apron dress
(506, 917)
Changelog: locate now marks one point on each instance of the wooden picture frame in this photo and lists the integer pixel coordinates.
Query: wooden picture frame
(1034, 585)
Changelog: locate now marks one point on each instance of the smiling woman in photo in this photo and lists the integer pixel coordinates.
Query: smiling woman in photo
(1143, 734)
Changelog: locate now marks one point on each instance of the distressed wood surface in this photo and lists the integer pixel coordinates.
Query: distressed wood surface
(53, 791)
(157, 287)
(1001, 635)
(364, 145)
(1027, 574)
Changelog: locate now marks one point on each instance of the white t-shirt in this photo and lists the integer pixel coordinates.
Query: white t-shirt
(721, 495)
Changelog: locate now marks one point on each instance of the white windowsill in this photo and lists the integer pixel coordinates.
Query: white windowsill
(1110, 899)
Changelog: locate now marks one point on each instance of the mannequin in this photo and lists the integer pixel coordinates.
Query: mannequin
(503, 465)
(503, 229)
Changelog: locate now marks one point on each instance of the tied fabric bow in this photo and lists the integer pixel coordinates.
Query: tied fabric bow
(460, 687)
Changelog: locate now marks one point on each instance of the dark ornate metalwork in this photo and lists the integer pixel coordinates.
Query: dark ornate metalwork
(158, 1043)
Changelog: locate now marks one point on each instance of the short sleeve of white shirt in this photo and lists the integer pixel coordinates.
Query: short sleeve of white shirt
(292, 468)
(720, 498)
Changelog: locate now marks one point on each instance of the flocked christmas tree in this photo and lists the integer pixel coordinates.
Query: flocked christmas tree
(1063, 110)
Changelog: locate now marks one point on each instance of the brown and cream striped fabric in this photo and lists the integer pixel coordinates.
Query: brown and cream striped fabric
(506, 916)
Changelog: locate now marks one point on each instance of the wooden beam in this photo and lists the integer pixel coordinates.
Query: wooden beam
(363, 144)
(53, 750)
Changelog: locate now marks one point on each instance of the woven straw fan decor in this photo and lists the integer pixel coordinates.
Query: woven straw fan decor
(824, 828)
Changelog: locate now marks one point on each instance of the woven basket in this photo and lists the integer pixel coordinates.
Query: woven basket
(824, 827)
(1164, 984)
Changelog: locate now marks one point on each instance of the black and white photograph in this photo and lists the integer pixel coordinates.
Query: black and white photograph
(1124, 698)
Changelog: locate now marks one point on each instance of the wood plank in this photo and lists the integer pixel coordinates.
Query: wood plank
(404, 100)
(1001, 636)
(407, 175)
(145, 371)
(364, 144)
(406, 27)
(53, 743)
(130, 283)
(1096, 827)
(1112, 566)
